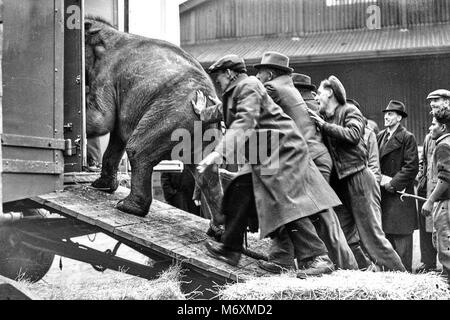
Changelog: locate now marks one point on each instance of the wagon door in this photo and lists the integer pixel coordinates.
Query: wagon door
(32, 110)
(74, 89)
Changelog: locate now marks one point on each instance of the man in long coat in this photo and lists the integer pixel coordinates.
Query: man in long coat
(274, 72)
(399, 163)
(282, 188)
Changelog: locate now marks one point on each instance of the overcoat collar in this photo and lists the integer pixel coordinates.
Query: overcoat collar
(234, 83)
(284, 80)
(394, 142)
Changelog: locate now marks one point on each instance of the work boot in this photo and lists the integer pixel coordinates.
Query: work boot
(316, 267)
(424, 268)
(215, 232)
(273, 267)
(220, 252)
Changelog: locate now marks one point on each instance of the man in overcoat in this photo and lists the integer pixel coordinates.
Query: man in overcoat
(308, 90)
(278, 188)
(399, 163)
(343, 131)
(274, 72)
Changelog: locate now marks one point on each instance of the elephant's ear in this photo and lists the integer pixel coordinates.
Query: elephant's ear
(90, 29)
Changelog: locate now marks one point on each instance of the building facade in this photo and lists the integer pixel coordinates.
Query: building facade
(379, 49)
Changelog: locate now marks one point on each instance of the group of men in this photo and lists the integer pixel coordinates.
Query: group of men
(334, 200)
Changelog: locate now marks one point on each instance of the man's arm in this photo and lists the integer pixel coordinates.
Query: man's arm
(374, 156)
(246, 118)
(423, 165)
(207, 114)
(352, 130)
(232, 144)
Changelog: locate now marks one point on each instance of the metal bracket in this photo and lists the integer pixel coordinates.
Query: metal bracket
(68, 127)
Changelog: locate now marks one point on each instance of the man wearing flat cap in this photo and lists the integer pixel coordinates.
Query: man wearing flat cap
(274, 72)
(343, 130)
(275, 188)
(399, 163)
(439, 98)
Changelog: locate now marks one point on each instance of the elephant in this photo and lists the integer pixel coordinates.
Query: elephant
(140, 91)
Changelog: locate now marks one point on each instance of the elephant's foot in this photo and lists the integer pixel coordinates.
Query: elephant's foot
(129, 206)
(108, 184)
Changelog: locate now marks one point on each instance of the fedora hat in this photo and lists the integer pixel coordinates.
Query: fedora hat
(274, 60)
(396, 106)
(230, 61)
(302, 81)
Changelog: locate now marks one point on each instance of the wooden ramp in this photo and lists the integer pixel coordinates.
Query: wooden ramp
(165, 231)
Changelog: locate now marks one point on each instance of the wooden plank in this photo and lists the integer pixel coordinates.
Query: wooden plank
(165, 231)
(12, 290)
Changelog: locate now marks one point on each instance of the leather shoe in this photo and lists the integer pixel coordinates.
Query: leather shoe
(424, 268)
(220, 252)
(273, 267)
(215, 232)
(316, 267)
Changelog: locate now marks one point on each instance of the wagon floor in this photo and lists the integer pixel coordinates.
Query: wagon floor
(165, 231)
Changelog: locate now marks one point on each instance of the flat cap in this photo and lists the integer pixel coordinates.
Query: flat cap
(338, 89)
(230, 61)
(439, 93)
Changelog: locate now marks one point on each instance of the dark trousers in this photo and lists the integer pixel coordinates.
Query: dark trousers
(403, 245)
(239, 206)
(428, 252)
(182, 200)
(93, 151)
(328, 228)
(360, 195)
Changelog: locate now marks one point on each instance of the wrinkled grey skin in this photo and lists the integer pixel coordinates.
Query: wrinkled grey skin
(140, 91)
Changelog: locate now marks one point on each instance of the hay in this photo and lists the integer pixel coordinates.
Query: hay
(115, 286)
(341, 285)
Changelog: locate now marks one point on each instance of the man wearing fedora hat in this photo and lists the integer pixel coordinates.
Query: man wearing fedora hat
(274, 72)
(277, 196)
(343, 130)
(308, 90)
(439, 98)
(399, 162)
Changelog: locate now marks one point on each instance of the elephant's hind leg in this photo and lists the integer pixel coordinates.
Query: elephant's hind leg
(110, 165)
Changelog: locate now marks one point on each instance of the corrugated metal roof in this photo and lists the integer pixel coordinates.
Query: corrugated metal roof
(333, 46)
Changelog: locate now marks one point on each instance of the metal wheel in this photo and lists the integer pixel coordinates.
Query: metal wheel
(18, 261)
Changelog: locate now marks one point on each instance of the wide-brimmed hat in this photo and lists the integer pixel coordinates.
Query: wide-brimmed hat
(274, 60)
(396, 106)
(230, 61)
(439, 93)
(303, 81)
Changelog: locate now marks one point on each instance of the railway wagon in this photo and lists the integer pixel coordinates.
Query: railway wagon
(43, 138)
(46, 197)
